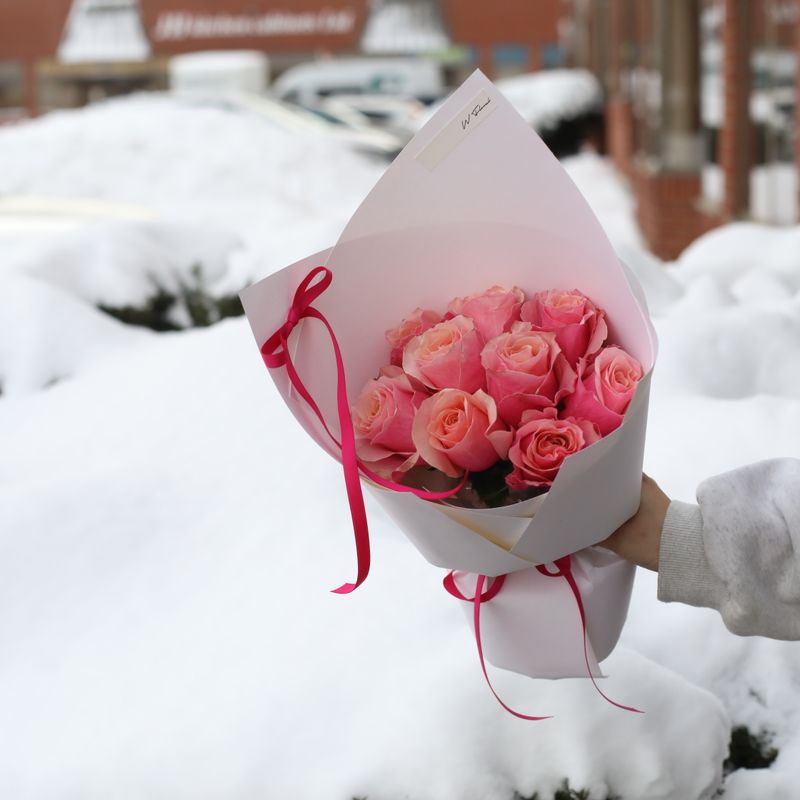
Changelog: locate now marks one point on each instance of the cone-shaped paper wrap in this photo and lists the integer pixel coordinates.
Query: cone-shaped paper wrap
(474, 199)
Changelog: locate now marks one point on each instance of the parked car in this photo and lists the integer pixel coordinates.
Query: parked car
(398, 77)
(353, 129)
(394, 113)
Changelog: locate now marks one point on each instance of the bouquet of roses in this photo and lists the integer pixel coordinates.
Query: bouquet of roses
(500, 388)
(503, 431)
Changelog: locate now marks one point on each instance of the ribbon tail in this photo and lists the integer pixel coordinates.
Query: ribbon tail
(566, 572)
(352, 479)
(477, 601)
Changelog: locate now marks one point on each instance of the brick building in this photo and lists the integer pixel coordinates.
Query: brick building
(57, 53)
(702, 108)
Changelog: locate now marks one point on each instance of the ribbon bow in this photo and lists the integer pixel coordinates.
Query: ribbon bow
(563, 569)
(275, 352)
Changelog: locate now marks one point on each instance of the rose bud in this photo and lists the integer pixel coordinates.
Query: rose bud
(541, 444)
(525, 368)
(492, 311)
(455, 431)
(382, 418)
(579, 325)
(419, 322)
(446, 356)
(604, 393)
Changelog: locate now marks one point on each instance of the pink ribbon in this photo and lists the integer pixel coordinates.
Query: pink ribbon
(275, 353)
(477, 600)
(563, 570)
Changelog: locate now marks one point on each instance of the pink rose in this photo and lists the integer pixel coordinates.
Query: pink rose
(542, 443)
(417, 323)
(382, 418)
(455, 431)
(579, 325)
(606, 390)
(525, 368)
(446, 356)
(492, 311)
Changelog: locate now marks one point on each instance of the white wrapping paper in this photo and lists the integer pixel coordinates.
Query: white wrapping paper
(477, 199)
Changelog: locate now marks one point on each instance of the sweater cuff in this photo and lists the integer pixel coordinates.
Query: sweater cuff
(684, 574)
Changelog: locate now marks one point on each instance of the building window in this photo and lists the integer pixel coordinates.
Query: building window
(510, 59)
(552, 56)
(471, 54)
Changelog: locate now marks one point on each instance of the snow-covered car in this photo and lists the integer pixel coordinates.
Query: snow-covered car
(353, 129)
(395, 77)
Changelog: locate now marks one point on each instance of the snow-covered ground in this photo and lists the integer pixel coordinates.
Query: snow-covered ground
(166, 628)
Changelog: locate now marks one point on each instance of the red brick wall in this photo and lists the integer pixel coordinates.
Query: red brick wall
(773, 21)
(620, 122)
(667, 211)
(619, 133)
(477, 22)
(533, 23)
(735, 136)
(31, 29)
(797, 106)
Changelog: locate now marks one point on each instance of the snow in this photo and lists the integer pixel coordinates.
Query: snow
(169, 534)
(403, 27)
(773, 193)
(104, 30)
(143, 255)
(548, 97)
(282, 191)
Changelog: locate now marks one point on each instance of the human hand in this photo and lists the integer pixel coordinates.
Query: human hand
(638, 540)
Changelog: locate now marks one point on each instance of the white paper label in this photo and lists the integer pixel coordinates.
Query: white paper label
(457, 130)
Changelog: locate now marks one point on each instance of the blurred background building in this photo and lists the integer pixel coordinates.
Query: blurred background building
(59, 53)
(701, 108)
(700, 96)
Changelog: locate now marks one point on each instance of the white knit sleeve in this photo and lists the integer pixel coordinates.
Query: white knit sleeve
(739, 550)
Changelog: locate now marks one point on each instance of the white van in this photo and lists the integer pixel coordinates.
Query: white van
(400, 77)
(219, 72)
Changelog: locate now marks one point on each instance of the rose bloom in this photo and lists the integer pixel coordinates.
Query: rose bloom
(419, 322)
(525, 368)
(492, 311)
(605, 392)
(455, 431)
(579, 325)
(541, 444)
(446, 356)
(382, 418)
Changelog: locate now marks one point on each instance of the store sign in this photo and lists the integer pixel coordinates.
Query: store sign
(182, 25)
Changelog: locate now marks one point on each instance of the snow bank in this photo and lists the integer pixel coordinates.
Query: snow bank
(124, 263)
(47, 336)
(283, 193)
(747, 251)
(546, 98)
